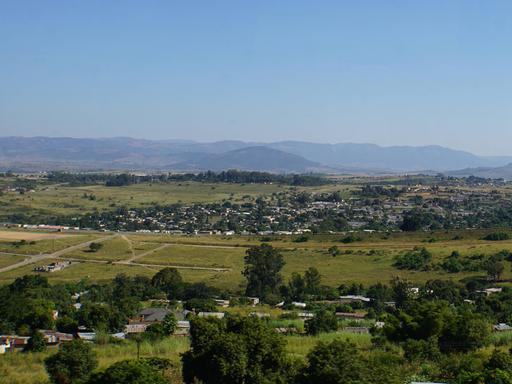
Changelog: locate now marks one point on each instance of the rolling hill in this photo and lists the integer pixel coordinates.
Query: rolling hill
(122, 153)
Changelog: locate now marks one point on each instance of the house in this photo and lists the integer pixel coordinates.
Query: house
(218, 315)
(353, 298)
(87, 336)
(502, 327)
(221, 303)
(490, 291)
(145, 318)
(10, 343)
(253, 300)
(152, 315)
(259, 315)
(305, 315)
(182, 328)
(358, 330)
(55, 338)
(297, 304)
(423, 382)
(351, 316)
(53, 267)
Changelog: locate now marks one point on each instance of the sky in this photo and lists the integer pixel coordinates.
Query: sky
(383, 72)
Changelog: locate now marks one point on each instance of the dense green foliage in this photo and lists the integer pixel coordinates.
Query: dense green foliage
(416, 259)
(263, 265)
(232, 351)
(73, 363)
(140, 371)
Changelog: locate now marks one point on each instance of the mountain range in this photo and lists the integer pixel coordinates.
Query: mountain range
(121, 153)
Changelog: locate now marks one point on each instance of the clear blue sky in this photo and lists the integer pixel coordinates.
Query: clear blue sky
(386, 72)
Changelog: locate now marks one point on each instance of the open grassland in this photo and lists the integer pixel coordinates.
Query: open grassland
(79, 270)
(65, 200)
(368, 260)
(21, 368)
(29, 236)
(206, 256)
(33, 247)
(6, 260)
(119, 248)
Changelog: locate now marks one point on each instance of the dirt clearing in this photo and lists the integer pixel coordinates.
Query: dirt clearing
(30, 236)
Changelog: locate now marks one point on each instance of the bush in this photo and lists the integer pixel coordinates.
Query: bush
(324, 321)
(497, 236)
(416, 259)
(73, 363)
(36, 343)
(141, 371)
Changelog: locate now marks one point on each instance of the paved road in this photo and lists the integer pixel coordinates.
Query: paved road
(31, 259)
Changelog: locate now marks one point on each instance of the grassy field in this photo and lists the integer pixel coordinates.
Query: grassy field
(51, 245)
(62, 199)
(119, 248)
(6, 260)
(367, 261)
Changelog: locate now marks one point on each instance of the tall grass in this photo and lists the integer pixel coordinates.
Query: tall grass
(28, 368)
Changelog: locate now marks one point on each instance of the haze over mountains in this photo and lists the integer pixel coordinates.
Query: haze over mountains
(47, 153)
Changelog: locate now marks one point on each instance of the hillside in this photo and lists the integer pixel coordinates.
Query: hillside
(504, 172)
(252, 159)
(46, 153)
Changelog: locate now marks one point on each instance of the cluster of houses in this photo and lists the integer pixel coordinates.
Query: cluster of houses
(138, 324)
(285, 216)
(53, 267)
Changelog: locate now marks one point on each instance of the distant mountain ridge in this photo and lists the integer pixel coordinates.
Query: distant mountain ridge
(124, 153)
(252, 158)
(504, 172)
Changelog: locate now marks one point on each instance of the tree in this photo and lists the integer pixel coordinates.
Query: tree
(312, 279)
(324, 321)
(333, 363)
(73, 363)
(263, 265)
(296, 287)
(169, 281)
(36, 343)
(402, 293)
(494, 269)
(140, 371)
(416, 259)
(155, 332)
(95, 247)
(234, 350)
(412, 221)
(169, 324)
(333, 251)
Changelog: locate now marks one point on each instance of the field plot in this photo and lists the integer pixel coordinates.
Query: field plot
(62, 199)
(368, 260)
(6, 260)
(44, 245)
(197, 256)
(30, 236)
(93, 271)
(115, 249)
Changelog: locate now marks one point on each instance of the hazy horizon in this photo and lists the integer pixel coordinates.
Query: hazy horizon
(401, 73)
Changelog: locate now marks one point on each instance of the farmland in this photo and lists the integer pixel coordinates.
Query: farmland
(219, 260)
